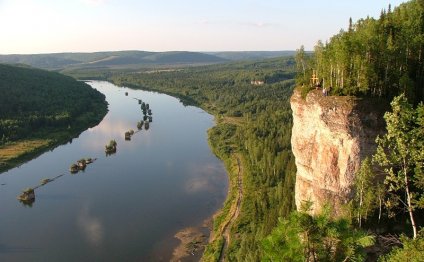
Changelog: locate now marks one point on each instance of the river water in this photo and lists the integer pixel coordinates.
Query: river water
(123, 206)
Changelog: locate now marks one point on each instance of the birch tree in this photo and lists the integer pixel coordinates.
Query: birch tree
(400, 154)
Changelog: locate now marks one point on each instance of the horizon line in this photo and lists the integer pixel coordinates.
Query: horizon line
(134, 50)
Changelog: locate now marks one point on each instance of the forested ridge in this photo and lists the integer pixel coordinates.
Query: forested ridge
(46, 106)
(109, 60)
(253, 121)
(374, 57)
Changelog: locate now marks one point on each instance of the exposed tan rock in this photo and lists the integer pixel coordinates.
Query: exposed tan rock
(331, 135)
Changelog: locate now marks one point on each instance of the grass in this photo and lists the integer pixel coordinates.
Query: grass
(17, 149)
(213, 250)
(15, 153)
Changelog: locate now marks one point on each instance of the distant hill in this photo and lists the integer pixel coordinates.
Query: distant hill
(251, 55)
(110, 59)
(135, 59)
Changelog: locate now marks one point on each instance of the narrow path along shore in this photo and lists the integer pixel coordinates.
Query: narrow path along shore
(235, 212)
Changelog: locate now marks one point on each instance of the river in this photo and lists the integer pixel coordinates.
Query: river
(123, 207)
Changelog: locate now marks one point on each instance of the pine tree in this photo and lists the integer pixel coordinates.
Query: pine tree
(303, 237)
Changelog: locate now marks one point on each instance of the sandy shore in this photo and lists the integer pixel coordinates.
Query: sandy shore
(192, 243)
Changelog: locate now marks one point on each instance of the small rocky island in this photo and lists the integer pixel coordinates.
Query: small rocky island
(80, 165)
(27, 196)
(111, 147)
(129, 134)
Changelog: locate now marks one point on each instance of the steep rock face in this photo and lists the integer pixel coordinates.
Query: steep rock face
(331, 135)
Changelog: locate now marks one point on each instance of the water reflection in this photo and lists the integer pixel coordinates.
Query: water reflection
(91, 226)
(163, 180)
(28, 202)
(203, 178)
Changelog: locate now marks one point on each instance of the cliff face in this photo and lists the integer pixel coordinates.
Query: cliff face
(331, 135)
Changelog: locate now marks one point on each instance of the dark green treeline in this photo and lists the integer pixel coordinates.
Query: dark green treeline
(35, 102)
(379, 57)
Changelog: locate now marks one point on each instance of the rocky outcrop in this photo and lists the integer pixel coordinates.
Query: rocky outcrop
(331, 135)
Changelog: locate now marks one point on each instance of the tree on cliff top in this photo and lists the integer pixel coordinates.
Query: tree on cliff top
(383, 57)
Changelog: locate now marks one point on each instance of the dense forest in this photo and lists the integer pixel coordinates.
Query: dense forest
(378, 57)
(36, 104)
(253, 124)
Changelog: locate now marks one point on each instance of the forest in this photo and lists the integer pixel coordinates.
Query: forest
(373, 57)
(253, 122)
(44, 106)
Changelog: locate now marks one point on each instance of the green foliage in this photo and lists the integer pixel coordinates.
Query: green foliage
(254, 122)
(269, 179)
(37, 105)
(284, 243)
(303, 237)
(35, 101)
(221, 136)
(412, 250)
(303, 63)
(366, 191)
(400, 154)
(381, 57)
(213, 250)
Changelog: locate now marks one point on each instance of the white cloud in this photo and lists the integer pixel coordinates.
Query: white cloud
(91, 227)
(204, 177)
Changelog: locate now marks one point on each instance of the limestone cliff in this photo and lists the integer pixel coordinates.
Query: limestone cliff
(331, 135)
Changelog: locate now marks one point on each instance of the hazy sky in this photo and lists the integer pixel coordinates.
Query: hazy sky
(45, 26)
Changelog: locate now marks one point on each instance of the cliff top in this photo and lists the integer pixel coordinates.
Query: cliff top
(345, 103)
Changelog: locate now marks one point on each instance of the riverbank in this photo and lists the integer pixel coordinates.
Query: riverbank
(209, 242)
(252, 121)
(16, 153)
(226, 217)
(194, 242)
(154, 188)
(40, 110)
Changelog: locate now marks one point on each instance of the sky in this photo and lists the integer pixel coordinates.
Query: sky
(51, 26)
